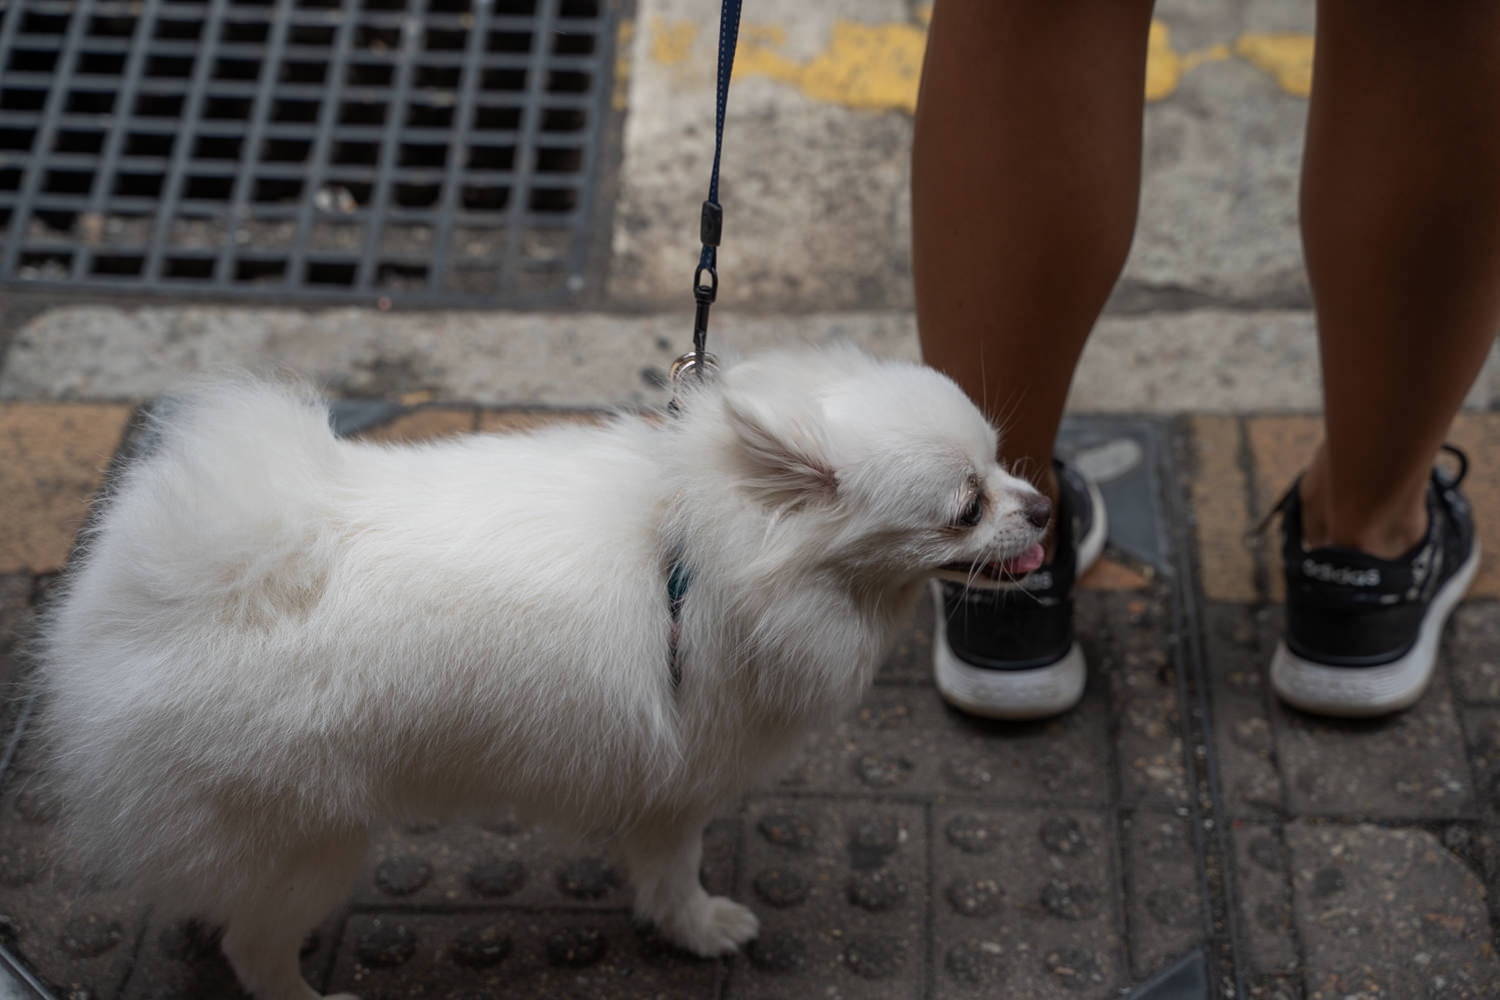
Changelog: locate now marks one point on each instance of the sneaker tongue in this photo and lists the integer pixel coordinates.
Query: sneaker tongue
(1023, 563)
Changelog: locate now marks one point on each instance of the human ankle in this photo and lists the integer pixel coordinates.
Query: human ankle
(1387, 533)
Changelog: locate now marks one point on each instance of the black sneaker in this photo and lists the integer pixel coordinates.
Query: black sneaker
(1362, 633)
(1006, 650)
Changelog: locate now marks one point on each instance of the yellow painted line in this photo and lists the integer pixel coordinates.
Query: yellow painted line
(1287, 58)
(672, 41)
(1165, 66)
(619, 97)
(878, 66)
(1214, 53)
(865, 66)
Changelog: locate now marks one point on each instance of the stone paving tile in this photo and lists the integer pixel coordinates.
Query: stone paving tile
(520, 866)
(1471, 649)
(1165, 908)
(180, 960)
(1408, 765)
(1480, 847)
(910, 660)
(1026, 904)
(1263, 869)
(81, 948)
(557, 955)
(1219, 509)
(75, 936)
(1274, 988)
(841, 889)
(1243, 741)
(1112, 574)
(1389, 913)
(1281, 447)
(1479, 435)
(52, 460)
(1125, 639)
(903, 740)
(1482, 726)
(424, 424)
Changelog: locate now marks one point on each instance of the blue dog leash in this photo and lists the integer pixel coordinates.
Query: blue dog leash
(698, 362)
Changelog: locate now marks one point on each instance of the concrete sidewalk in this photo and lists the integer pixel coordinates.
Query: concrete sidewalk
(913, 852)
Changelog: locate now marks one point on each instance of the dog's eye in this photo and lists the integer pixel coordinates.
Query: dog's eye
(973, 510)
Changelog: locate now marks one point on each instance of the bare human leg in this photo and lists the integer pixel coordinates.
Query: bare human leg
(1401, 225)
(1025, 182)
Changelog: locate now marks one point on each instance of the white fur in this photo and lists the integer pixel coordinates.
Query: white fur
(277, 639)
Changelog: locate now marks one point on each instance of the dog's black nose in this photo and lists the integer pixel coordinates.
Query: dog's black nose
(1038, 511)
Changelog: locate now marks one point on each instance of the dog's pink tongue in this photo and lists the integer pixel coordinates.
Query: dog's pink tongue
(1025, 562)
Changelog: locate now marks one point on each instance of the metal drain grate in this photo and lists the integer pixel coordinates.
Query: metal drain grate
(437, 151)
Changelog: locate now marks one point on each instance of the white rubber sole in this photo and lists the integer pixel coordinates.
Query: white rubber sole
(1017, 694)
(1362, 692)
(1007, 694)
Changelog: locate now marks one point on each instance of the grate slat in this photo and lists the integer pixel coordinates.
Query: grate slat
(526, 148)
(239, 202)
(411, 42)
(110, 163)
(327, 117)
(31, 172)
(183, 143)
(465, 114)
(442, 154)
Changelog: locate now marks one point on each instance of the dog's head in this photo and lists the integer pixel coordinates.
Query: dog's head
(890, 460)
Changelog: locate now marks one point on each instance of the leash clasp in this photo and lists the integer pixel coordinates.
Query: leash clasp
(698, 364)
(704, 294)
(694, 366)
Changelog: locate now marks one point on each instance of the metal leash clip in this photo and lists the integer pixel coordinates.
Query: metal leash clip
(694, 366)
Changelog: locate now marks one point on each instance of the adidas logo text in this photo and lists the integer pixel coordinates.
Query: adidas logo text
(1343, 575)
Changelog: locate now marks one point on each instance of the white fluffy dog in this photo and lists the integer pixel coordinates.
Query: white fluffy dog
(276, 639)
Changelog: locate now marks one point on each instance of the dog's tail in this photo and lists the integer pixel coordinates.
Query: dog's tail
(215, 522)
(231, 488)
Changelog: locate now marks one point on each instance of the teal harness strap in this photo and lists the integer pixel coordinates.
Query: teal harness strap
(677, 585)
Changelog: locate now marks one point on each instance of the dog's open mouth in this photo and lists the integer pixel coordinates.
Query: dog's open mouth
(998, 571)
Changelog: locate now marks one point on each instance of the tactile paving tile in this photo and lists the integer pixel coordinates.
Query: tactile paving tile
(543, 955)
(73, 935)
(841, 890)
(503, 862)
(904, 741)
(1025, 904)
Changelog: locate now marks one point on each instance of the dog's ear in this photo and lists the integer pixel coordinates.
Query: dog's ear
(782, 457)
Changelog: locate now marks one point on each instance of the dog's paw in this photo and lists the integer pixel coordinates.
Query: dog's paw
(714, 925)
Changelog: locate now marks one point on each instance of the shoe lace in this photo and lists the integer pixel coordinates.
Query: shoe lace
(1277, 508)
(1463, 465)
